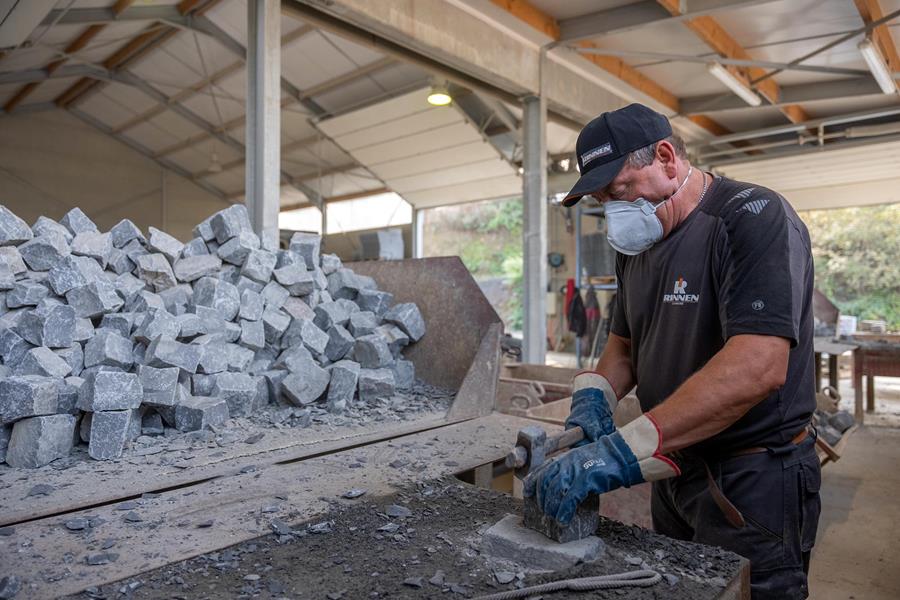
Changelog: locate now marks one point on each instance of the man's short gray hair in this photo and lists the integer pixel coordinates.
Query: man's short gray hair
(644, 157)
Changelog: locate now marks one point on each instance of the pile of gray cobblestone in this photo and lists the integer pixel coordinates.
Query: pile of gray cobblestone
(107, 336)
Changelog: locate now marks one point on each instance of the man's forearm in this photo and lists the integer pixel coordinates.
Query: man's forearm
(743, 373)
(615, 365)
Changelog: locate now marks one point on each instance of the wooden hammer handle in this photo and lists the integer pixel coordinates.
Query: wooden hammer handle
(519, 456)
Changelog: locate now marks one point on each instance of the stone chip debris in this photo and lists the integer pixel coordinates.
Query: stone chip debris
(117, 339)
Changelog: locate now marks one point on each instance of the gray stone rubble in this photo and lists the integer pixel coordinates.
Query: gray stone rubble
(113, 337)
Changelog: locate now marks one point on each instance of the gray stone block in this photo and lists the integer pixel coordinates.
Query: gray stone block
(394, 336)
(362, 323)
(306, 385)
(213, 358)
(108, 347)
(275, 323)
(110, 390)
(230, 222)
(123, 232)
(13, 258)
(26, 293)
(122, 323)
(245, 283)
(320, 280)
(42, 361)
(5, 433)
(165, 244)
(340, 342)
(331, 263)
(67, 402)
(344, 283)
(110, 430)
(12, 347)
(197, 413)
(841, 421)
(166, 352)
(307, 245)
(293, 359)
(44, 251)
(44, 224)
(74, 357)
(155, 271)
(236, 250)
(219, 295)
(195, 247)
(238, 390)
(27, 396)
(372, 352)
(13, 230)
(130, 287)
(134, 250)
(77, 222)
(297, 308)
(304, 331)
(201, 385)
(177, 299)
(295, 278)
(157, 323)
(258, 266)
(376, 383)
(252, 306)
(72, 272)
(511, 540)
(329, 314)
(7, 280)
(38, 441)
(238, 358)
(404, 374)
(51, 326)
(274, 295)
(190, 325)
(194, 267)
(119, 262)
(253, 334)
(93, 244)
(94, 299)
(286, 257)
(374, 301)
(152, 424)
(160, 385)
(407, 317)
(204, 230)
(344, 380)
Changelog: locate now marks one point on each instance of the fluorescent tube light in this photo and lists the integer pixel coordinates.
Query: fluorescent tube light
(734, 84)
(879, 68)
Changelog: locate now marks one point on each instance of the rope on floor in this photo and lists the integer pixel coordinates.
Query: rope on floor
(641, 578)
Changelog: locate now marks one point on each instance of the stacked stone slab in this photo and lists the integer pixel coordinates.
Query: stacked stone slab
(108, 335)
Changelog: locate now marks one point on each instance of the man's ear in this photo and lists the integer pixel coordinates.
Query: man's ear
(665, 153)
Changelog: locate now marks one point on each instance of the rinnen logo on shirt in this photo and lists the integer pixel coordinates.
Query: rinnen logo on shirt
(679, 294)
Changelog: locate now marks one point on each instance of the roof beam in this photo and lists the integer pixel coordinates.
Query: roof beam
(102, 16)
(141, 149)
(37, 75)
(716, 37)
(870, 11)
(640, 14)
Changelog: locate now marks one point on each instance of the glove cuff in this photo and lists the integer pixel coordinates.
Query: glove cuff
(592, 379)
(644, 438)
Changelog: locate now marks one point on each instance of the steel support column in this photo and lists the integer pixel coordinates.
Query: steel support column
(418, 233)
(263, 160)
(534, 344)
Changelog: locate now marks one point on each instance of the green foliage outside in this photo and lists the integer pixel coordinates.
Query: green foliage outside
(857, 256)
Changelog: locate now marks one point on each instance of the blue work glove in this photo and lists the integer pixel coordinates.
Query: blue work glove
(593, 403)
(620, 459)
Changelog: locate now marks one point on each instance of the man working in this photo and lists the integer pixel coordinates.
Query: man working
(713, 324)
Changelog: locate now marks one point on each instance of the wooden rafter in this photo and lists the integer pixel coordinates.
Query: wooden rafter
(629, 75)
(716, 37)
(74, 46)
(870, 10)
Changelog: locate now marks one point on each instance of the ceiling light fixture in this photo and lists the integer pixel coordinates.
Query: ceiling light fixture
(877, 66)
(734, 84)
(439, 96)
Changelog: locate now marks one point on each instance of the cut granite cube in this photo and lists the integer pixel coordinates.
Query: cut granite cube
(68, 395)
(130, 287)
(274, 295)
(51, 326)
(197, 413)
(236, 250)
(42, 361)
(146, 301)
(13, 258)
(297, 308)
(293, 358)
(43, 225)
(195, 247)
(219, 295)
(346, 284)
(230, 222)
(295, 278)
(77, 222)
(375, 384)
(252, 306)
(275, 323)
(362, 323)
(110, 390)
(166, 352)
(134, 250)
(157, 323)
(155, 271)
(372, 352)
(213, 358)
(44, 251)
(72, 272)
(307, 245)
(108, 347)
(190, 326)
(12, 347)
(194, 267)
(258, 266)
(238, 390)
(13, 230)
(374, 301)
(285, 258)
(38, 441)
(152, 424)
(178, 298)
(93, 244)
(344, 378)
(74, 357)
(123, 232)
(122, 323)
(330, 263)
(404, 374)
(238, 357)
(306, 385)
(394, 336)
(165, 244)
(110, 430)
(407, 317)
(160, 385)
(119, 262)
(26, 293)
(27, 396)
(204, 229)
(304, 331)
(329, 314)
(253, 334)
(94, 299)
(340, 342)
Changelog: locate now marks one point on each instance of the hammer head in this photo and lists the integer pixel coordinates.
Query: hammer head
(533, 439)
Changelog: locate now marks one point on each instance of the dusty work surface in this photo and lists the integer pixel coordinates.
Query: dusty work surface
(420, 543)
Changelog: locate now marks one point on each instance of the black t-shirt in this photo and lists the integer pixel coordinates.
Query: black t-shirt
(739, 264)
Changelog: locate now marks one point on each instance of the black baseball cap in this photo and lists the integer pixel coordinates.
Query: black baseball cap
(604, 144)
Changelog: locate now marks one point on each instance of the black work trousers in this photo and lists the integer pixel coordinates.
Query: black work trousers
(778, 495)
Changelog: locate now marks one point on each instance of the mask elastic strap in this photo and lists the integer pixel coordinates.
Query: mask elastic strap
(653, 207)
